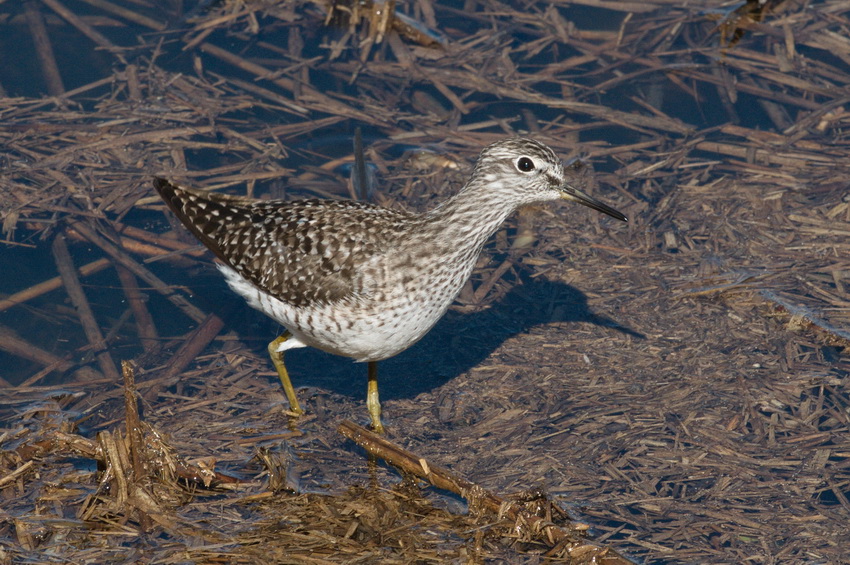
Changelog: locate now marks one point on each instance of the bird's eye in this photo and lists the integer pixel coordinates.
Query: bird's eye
(525, 165)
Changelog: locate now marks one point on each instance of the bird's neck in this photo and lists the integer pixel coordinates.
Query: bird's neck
(471, 216)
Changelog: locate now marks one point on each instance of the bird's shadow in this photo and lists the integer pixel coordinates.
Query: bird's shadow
(456, 344)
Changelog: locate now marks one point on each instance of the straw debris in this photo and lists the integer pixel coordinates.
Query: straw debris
(677, 385)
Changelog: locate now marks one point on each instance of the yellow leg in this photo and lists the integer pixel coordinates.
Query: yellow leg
(277, 359)
(372, 402)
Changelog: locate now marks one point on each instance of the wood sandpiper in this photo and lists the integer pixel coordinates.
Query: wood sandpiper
(359, 280)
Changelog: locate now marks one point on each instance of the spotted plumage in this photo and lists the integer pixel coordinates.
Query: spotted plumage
(357, 279)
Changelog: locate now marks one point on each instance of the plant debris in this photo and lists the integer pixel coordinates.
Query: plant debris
(677, 384)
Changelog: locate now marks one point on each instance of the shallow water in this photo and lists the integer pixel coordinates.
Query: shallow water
(650, 377)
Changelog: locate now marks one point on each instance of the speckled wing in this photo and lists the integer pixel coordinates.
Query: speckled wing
(302, 252)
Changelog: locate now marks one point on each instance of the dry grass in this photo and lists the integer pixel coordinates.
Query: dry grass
(676, 383)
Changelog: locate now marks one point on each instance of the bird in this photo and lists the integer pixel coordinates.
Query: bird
(360, 280)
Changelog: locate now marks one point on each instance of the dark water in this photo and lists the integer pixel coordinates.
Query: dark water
(615, 79)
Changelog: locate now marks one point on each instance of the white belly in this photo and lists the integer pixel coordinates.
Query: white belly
(365, 332)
